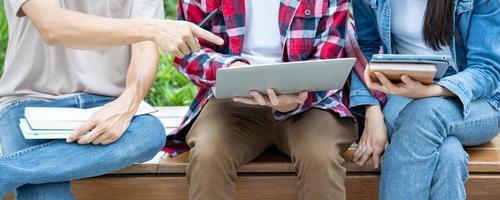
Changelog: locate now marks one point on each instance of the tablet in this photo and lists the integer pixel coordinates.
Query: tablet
(285, 78)
(441, 62)
(412, 57)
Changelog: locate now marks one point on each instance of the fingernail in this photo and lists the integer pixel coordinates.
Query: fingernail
(221, 41)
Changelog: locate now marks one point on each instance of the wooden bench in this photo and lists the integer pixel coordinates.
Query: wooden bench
(269, 177)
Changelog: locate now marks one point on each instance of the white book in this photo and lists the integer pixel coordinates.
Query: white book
(29, 133)
(55, 125)
(49, 118)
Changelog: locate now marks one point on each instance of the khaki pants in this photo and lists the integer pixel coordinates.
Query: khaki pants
(228, 134)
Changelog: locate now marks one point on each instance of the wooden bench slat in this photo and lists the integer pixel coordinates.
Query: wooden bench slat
(171, 122)
(492, 145)
(359, 187)
(484, 160)
(171, 112)
(480, 161)
(149, 167)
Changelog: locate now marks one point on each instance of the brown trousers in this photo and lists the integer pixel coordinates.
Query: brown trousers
(228, 134)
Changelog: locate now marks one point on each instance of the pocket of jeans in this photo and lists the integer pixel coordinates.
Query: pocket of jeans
(9, 106)
(12, 105)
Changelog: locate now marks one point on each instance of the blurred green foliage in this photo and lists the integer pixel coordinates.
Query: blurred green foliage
(4, 36)
(170, 8)
(170, 89)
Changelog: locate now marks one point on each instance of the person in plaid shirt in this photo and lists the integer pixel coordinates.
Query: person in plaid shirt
(313, 128)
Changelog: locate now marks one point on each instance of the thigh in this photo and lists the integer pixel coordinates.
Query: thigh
(445, 117)
(317, 131)
(395, 104)
(11, 136)
(480, 126)
(236, 129)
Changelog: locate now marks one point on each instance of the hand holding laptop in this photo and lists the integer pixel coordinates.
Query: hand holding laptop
(281, 103)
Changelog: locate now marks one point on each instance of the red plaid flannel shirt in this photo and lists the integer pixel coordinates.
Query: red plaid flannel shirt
(310, 29)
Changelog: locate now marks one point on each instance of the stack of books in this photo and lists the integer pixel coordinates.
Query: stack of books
(59, 123)
(425, 69)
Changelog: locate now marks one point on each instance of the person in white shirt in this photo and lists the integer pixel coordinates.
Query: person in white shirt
(83, 54)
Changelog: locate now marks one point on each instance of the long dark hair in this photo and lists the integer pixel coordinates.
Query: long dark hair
(438, 23)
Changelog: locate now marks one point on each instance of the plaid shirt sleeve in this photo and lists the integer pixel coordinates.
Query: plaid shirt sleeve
(330, 44)
(201, 67)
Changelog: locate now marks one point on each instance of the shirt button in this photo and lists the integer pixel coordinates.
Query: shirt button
(307, 12)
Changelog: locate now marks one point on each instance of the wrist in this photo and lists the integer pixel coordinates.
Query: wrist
(289, 108)
(130, 101)
(149, 28)
(437, 90)
(372, 108)
(373, 112)
(238, 64)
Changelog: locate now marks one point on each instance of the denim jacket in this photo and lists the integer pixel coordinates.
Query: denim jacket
(475, 49)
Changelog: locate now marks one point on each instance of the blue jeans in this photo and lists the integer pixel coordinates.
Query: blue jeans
(43, 169)
(426, 158)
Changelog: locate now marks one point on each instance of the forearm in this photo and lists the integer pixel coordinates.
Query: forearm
(201, 67)
(72, 29)
(141, 73)
(437, 91)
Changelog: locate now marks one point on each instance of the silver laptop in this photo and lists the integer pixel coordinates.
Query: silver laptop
(285, 78)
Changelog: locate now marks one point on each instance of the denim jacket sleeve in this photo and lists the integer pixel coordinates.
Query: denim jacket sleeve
(370, 43)
(481, 76)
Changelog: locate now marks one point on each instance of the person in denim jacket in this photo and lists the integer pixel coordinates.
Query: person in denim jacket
(428, 125)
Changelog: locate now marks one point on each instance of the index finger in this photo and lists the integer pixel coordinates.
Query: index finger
(407, 80)
(385, 82)
(202, 33)
(368, 79)
(301, 97)
(273, 97)
(81, 130)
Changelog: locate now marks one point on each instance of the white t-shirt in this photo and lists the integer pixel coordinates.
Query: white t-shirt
(407, 20)
(262, 36)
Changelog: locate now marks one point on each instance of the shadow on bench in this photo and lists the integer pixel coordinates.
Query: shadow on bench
(271, 176)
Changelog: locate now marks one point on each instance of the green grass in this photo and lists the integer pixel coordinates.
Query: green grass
(170, 88)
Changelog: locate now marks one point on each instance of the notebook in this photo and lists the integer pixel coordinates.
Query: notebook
(58, 123)
(422, 72)
(44, 118)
